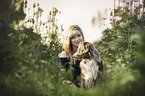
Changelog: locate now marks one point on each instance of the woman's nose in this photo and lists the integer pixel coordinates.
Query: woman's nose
(78, 40)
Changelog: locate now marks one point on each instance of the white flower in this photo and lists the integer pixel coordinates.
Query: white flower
(118, 60)
(117, 18)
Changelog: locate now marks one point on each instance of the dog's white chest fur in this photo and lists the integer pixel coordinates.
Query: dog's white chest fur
(89, 69)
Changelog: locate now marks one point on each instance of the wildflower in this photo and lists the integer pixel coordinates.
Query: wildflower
(30, 55)
(115, 18)
(119, 60)
(42, 61)
(119, 36)
(39, 11)
(54, 10)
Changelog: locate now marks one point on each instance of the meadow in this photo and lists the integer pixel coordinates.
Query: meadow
(29, 56)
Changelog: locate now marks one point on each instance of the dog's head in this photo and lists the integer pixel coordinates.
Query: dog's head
(84, 50)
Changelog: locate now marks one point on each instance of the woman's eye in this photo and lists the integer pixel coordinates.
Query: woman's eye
(73, 37)
(79, 35)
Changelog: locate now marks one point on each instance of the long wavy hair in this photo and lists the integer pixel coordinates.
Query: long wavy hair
(67, 45)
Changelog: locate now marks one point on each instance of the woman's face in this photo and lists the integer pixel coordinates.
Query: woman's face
(76, 38)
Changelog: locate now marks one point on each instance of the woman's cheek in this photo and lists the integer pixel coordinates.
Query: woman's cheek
(72, 41)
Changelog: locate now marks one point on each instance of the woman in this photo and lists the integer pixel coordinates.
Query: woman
(74, 35)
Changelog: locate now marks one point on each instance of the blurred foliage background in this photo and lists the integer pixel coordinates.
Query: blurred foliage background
(29, 57)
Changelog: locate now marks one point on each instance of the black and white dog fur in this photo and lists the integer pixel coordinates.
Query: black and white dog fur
(91, 64)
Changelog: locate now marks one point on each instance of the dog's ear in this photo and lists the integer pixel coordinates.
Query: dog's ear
(94, 52)
(91, 50)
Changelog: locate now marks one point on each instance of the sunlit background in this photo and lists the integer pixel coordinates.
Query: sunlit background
(92, 16)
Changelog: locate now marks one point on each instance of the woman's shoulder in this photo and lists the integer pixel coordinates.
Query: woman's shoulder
(63, 54)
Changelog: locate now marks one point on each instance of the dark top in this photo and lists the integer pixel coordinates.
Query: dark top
(76, 66)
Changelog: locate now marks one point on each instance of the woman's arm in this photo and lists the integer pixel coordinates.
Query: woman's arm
(64, 60)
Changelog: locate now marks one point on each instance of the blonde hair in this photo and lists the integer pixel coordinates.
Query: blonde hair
(67, 46)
